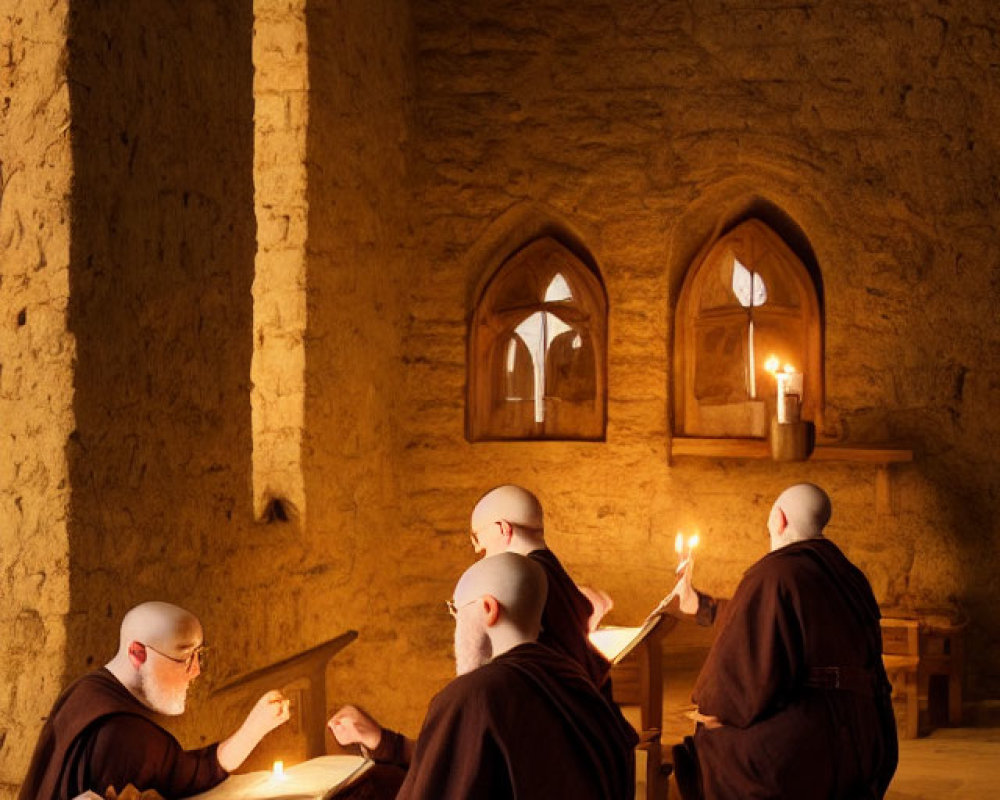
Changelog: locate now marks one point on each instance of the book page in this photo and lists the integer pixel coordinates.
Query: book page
(615, 642)
(317, 779)
(611, 640)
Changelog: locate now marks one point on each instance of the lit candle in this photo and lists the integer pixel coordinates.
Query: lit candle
(793, 394)
(789, 390)
(278, 771)
(684, 547)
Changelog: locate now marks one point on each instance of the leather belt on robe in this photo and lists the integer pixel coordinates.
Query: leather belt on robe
(846, 679)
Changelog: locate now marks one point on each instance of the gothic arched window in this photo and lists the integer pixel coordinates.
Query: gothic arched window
(748, 300)
(537, 344)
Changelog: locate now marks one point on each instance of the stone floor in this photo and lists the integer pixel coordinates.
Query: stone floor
(949, 764)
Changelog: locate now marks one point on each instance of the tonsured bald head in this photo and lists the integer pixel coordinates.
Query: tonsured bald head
(800, 512)
(507, 518)
(159, 654)
(498, 602)
(169, 628)
(518, 584)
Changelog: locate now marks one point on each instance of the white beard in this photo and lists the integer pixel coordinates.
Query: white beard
(472, 647)
(164, 701)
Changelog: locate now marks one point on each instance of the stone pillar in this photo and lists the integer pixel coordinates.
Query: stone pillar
(281, 112)
(36, 373)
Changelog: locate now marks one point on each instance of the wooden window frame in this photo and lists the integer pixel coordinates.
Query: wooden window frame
(489, 328)
(686, 417)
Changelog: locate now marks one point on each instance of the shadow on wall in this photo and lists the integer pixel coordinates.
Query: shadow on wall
(970, 502)
(162, 258)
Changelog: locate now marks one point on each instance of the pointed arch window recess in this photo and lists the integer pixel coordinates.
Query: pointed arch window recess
(537, 349)
(750, 299)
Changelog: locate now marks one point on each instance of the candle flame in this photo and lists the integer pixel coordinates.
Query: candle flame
(279, 769)
(679, 543)
(789, 368)
(693, 542)
(772, 364)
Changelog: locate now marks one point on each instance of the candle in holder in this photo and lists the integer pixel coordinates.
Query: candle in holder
(788, 405)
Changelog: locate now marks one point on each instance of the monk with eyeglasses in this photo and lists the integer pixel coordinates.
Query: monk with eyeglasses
(102, 733)
(509, 519)
(521, 720)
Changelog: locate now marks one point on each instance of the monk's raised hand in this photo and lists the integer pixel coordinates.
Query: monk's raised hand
(351, 725)
(269, 712)
(684, 590)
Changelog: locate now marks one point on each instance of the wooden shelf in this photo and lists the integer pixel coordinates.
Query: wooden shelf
(878, 455)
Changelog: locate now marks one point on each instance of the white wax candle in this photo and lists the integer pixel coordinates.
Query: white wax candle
(782, 378)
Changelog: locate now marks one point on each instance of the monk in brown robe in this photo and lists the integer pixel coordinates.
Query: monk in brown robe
(102, 731)
(509, 519)
(520, 720)
(793, 700)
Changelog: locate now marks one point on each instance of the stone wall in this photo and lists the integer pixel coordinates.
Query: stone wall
(440, 137)
(640, 129)
(360, 71)
(162, 264)
(36, 378)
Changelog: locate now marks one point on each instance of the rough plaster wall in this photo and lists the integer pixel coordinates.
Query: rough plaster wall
(359, 78)
(36, 382)
(639, 128)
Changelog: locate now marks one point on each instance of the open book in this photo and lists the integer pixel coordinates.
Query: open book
(615, 642)
(316, 779)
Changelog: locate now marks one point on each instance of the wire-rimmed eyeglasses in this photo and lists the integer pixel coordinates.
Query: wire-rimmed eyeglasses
(453, 609)
(198, 654)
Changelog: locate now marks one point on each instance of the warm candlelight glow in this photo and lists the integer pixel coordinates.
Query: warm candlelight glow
(279, 769)
(692, 543)
(679, 543)
(789, 398)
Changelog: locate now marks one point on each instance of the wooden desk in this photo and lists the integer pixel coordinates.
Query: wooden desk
(310, 665)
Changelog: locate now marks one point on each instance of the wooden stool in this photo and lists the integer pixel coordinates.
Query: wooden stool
(923, 655)
(901, 656)
(942, 656)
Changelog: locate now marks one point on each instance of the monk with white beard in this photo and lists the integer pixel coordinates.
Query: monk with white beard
(521, 720)
(101, 732)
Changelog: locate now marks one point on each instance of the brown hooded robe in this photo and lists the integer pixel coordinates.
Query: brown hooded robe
(528, 725)
(99, 735)
(796, 678)
(565, 620)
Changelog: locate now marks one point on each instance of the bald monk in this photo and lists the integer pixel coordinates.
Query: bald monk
(793, 700)
(102, 731)
(509, 519)
(520, 720)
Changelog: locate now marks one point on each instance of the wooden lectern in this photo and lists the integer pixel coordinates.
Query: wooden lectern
(637, 679)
